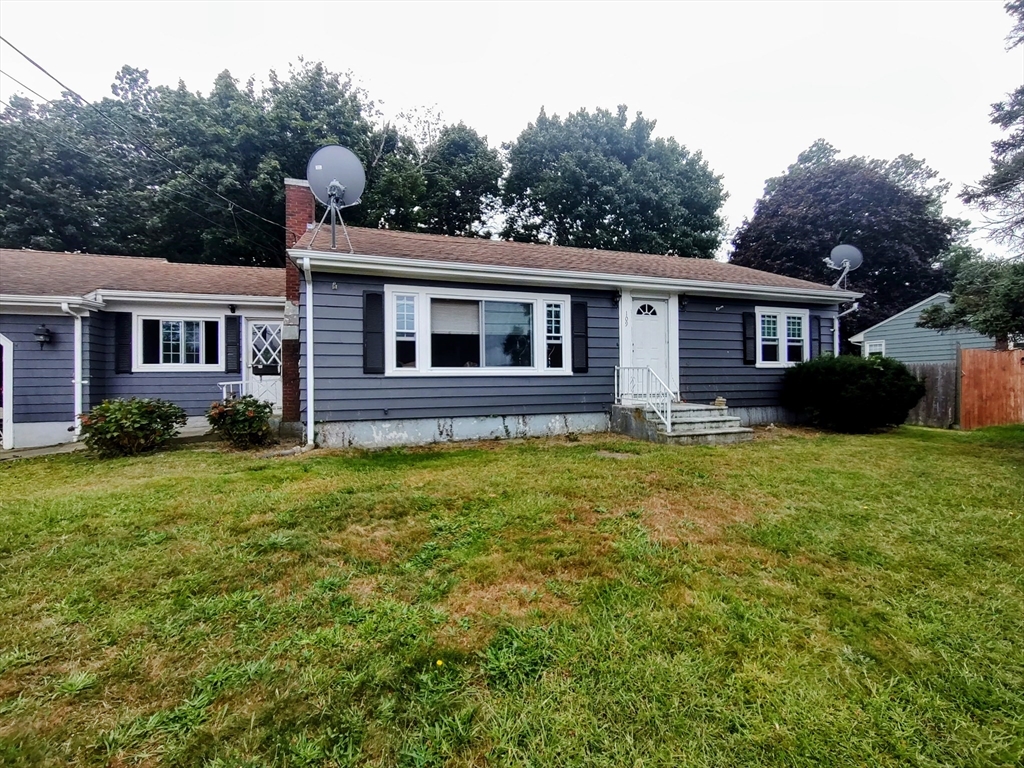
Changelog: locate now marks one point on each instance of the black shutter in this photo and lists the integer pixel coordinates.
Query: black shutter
(373, 332)
(150, 341)
(580, 339)
(211, 342)
(232, 344)
(815, 332)
(122, 342)
(749, 338)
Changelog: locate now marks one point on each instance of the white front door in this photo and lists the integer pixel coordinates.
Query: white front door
(650, 336)
(263, 359)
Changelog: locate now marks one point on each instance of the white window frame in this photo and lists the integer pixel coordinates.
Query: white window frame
(137, 357)
(538, 301)
(782, 313)
(874, 346)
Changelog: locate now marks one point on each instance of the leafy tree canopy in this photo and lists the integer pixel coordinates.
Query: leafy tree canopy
(890, 209)
(988, 297)
(596, 180)
(1000, 194)
(161, 171)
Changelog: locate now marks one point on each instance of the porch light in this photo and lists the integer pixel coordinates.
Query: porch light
(43, 335)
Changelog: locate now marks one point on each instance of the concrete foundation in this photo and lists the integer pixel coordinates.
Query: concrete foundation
(389, 433)
(768, 414)
(42, 433)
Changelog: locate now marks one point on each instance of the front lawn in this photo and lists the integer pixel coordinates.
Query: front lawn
(800, 600)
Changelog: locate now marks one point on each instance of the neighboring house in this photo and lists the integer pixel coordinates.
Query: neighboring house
(76, 329)
(418, 338)
(900, 338)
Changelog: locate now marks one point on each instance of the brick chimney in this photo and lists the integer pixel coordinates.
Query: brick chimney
(299, 213)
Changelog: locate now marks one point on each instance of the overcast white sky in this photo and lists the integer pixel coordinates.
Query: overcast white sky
(748, 84)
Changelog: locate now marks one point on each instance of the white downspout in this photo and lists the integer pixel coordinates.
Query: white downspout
(78, 365)
(310, 423)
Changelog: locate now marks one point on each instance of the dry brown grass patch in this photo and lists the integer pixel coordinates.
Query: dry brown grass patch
(697, 518)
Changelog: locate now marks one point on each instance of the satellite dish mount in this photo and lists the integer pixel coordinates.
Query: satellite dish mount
(337, 179)
(846, 258)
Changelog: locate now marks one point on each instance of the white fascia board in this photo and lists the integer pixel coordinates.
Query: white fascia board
(154, 297)
(860, 336)
(424, 269)
(48, 302)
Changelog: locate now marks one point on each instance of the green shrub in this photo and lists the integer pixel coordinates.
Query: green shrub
(244, 422)
(130, 427)
(852, 394)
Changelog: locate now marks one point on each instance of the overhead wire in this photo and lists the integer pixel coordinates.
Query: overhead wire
(128, 133)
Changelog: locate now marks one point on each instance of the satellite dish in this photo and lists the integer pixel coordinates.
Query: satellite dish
(337, 179)
(843, 255)
(335, 176)
(846, 258)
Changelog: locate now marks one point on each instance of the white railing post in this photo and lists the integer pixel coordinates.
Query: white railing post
(643, 384)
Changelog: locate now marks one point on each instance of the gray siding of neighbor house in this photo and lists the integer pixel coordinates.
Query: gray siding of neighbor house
(711, 352)
(345, 393)
(193, 391)
(94, 351)
(909, 344)
(43, 387)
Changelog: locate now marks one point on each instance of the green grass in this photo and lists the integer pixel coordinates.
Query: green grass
(800, 600)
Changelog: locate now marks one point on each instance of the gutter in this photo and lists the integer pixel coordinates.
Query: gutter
(9, 300)
(77, 380)
(394, 266)
(310, 423)
(160, 297)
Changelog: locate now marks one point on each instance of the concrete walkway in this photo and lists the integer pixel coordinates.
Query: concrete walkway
(190, 433)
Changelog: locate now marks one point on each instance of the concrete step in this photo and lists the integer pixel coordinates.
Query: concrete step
(703, 425)
(726, 436)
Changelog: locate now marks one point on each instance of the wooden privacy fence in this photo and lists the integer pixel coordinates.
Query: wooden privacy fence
(991, 388)
(938, 406)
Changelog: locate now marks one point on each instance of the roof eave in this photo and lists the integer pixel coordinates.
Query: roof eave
(171, 297)
(44, 301)
(395, 266)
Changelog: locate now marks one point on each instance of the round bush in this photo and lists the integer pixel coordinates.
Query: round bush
(244, 422)
(130, 427)
(852, 394)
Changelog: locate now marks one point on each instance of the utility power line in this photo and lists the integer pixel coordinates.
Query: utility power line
(128, 133)
(115, 170)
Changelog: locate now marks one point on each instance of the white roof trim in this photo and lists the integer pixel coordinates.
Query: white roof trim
(20, 300)
(166, 297)
(859, 338)
(395, 266)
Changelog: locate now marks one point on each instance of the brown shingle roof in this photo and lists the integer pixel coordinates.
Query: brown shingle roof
(46, 273)
(501, 253)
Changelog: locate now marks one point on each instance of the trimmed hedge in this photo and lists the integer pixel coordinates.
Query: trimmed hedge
(852, 394)
(130, 427)
(244, 422)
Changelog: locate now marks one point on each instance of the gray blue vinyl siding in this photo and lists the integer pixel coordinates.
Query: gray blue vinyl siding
(909, 344)
(711, 352)
(193, 391)
(43, 386)
(345, 393)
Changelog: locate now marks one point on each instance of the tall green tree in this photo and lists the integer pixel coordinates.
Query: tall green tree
(159, 171)
(461, 174)
(1000, 193)
(890, 209)
(988, 297)
(597, 180)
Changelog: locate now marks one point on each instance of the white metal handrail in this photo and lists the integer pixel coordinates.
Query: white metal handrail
(641, 383)
(230, 390)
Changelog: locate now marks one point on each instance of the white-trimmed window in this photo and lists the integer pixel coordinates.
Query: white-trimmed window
(447, 331)
(783, 337)
(874, 348)
(178, 343)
